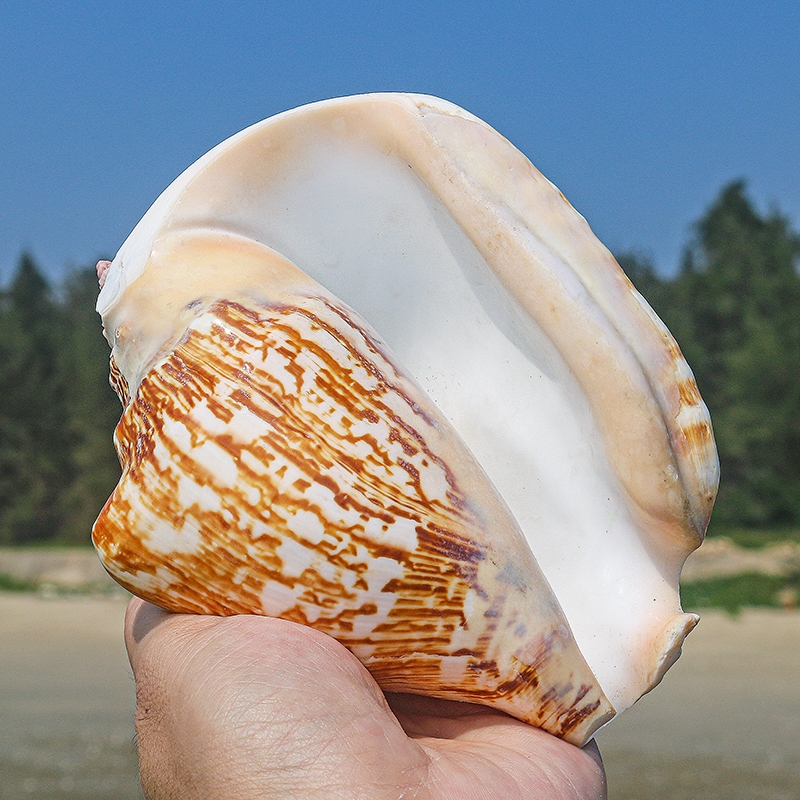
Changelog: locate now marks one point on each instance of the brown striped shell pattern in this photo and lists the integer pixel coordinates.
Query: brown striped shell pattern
(380, 378)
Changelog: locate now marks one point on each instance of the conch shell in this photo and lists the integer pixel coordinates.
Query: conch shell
(380, 378)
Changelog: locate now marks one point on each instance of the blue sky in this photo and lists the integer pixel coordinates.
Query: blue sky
(639, 111)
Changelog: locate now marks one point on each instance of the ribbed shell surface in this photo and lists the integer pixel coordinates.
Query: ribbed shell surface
(277, 462)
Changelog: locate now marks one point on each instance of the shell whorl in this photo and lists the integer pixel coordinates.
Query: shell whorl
(303, 476)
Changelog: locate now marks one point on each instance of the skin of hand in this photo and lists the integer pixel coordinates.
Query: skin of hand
(246, 707)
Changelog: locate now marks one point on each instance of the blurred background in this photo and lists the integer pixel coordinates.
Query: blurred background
(673, 128)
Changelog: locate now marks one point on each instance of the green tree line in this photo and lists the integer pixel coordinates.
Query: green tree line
(733, 306)
(57, 410)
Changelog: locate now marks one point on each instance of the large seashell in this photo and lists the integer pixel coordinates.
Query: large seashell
(372, 362)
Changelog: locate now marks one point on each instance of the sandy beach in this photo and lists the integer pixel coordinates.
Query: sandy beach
(66, 700)
(725, 723)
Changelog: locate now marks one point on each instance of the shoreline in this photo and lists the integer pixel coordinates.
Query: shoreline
(78, 567)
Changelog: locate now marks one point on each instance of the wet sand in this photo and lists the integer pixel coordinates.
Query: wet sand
(725, 723)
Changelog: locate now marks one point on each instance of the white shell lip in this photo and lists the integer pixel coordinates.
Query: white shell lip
(652, 424)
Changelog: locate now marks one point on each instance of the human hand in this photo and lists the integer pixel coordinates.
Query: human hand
(246, 708)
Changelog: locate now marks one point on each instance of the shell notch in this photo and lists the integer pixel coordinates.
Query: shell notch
(380, 378)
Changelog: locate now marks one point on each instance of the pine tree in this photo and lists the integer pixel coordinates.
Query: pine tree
(735, 310)
(34, 444)
(92, 411)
